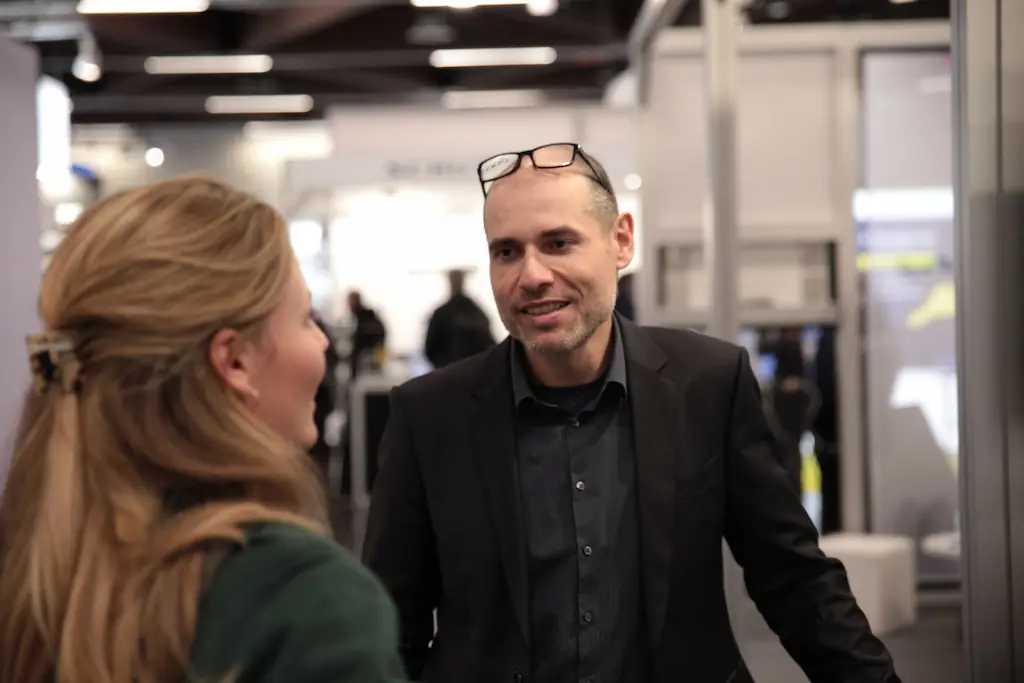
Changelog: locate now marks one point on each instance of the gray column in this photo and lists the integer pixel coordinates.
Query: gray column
(721, 30)
(989, 96)
(21, 257)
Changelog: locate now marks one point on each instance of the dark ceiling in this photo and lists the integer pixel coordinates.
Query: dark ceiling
(358, 51)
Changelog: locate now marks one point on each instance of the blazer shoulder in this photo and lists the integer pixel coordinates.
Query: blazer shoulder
(452, 381)
(691, 345)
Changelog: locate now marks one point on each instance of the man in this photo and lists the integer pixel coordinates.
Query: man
(369, 333)
(561, 500)
(458, 328)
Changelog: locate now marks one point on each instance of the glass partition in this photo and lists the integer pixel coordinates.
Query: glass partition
(904, 214)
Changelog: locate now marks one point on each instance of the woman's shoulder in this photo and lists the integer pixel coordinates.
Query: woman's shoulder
(301, 596)
(274, 554)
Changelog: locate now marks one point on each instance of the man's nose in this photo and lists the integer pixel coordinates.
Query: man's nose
(534, 274)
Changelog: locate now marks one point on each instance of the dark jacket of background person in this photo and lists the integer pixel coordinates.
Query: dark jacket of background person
(458, 329)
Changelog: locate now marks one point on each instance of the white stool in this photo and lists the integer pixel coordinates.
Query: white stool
(883, 576)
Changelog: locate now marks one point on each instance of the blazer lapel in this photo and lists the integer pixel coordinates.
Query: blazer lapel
(494, 449)
(655, 414)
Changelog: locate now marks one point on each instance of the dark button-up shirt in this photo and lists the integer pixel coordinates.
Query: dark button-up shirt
(578, 475)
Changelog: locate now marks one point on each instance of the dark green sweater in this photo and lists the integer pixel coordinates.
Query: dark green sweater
(291, 607)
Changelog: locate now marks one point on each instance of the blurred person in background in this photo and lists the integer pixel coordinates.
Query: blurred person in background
(161, 521)
(325, 398)
(625, 304)
(458, 328)
(561, 500)
(368, 335)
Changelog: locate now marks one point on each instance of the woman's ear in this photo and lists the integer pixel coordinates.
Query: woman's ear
(233, 360)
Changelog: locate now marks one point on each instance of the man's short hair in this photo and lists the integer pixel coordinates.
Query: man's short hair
(604, 201)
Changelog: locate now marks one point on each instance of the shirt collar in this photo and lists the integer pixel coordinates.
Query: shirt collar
(616, 373)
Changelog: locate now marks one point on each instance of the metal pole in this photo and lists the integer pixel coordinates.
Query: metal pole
(721, 26)
(989, 203)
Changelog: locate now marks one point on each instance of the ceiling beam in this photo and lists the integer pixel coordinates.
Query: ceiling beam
(271, 29)
(590, 55)
(652, 17)
(171, 105)
(169, 34)
(367, 81)
(22, 9)
(592, 30)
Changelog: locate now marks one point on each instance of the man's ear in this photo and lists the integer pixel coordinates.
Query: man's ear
(233, 361)
(624, 238)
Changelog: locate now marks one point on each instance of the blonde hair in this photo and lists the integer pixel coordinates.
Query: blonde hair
(117, 489)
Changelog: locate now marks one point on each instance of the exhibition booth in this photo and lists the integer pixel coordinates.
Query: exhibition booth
(845, 229)
(845, 223)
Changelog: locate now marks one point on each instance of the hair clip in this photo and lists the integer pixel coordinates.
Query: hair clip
(52, 359)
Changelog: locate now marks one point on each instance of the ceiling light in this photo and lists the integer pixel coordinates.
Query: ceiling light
(492, 99)
(85, 69)
(67, 213)
(466, 4)
(142, 6)
(210, 64)
(259, 104)
(503, 56)
(542, 8)
(154, 157)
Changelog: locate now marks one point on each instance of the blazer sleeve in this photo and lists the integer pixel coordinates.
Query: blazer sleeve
(804, 596)
(400, 546)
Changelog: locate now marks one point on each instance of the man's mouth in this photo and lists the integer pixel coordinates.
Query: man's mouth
(544, 308)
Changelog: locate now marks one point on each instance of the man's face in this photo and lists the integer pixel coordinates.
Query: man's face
(554, 263)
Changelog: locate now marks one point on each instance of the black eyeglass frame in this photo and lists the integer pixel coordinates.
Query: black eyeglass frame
(577, 153)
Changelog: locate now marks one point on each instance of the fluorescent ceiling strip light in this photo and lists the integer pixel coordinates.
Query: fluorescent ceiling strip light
(142, 6)
(491, 99)
(259, 104)
(210, 64)
(903, 204)
(466, 4)
(499, 56)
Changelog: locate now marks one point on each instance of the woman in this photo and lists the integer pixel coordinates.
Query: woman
(161, 522)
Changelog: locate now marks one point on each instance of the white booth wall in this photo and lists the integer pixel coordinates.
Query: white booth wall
(21, 253)
(405, 205)
(809, 137)
(249, 156)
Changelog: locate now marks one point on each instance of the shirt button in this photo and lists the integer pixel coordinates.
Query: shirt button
(574, 422)
(588, 551)
(580, 486)
(587, 617)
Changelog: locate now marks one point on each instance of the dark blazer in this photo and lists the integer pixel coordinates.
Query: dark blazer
(446, 525)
